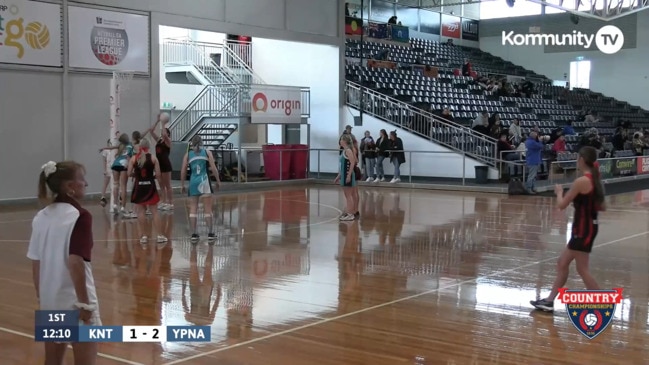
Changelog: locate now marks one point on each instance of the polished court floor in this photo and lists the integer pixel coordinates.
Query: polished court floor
(423, 278)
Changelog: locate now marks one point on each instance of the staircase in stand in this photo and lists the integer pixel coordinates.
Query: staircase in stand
(227, 78)
(448, 134)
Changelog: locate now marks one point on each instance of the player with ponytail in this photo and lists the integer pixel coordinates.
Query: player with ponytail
(60, 249)
(587, 196)
(144, 167)
(201, 164)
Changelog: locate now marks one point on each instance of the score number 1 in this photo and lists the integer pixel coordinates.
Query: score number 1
(144, 334)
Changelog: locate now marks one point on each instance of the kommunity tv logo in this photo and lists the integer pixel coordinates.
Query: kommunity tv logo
(609, 39)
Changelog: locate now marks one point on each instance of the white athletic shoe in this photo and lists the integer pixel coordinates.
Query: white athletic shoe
(369, 179)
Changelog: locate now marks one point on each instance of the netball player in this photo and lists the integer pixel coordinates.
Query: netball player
(105, 154)
(346, 176)
(120, 178)
(144, 168)
(199, 160)
(587, 196)
(162, 150)
(60, 248)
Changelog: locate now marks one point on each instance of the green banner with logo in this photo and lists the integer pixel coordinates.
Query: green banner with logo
(606, 169)
(625, 166)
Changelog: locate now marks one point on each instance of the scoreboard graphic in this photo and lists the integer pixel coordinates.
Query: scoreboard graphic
(65, 326)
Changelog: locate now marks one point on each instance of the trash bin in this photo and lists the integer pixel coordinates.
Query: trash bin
(482, 174)
(277, 161)
(299, 161)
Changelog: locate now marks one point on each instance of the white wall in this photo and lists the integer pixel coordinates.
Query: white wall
(311, 65)
(438, 161)
(180, 95)
(623, 75)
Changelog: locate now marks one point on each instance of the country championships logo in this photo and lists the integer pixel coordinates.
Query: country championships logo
(609, 39)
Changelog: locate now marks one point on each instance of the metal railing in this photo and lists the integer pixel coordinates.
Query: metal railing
(258, 164)
(212, 101)
(454, 136)
(185, 52)
(238, 56)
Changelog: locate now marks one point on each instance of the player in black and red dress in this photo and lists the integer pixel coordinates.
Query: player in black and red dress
(162, 151)
(587, 196)
(144, 168)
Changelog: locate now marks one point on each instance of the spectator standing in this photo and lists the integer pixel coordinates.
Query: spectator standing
(533, 160)
(368, 150)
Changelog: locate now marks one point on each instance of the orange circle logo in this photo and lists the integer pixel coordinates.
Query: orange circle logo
(259, 102)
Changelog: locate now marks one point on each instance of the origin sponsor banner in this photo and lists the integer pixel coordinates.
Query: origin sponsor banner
(625, 167)
(275, 105)
(643, 165)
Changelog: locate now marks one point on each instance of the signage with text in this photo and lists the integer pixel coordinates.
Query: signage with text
(625, 167)
(606, 169)
(275, 104)
(470, 30)
(643, 165)
(108, 40)
(30, 33)
(451, 26)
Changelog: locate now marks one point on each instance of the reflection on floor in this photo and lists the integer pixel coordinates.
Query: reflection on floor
(423, 278)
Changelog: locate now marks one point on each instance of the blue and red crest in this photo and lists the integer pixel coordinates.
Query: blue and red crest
(590, 311)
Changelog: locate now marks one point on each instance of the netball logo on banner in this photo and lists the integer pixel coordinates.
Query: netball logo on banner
(108, 40)
(590, 311)
(30, 33)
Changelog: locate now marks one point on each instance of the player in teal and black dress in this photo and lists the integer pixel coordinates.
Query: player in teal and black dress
(119, 167)
(201, 164)
(347, 176)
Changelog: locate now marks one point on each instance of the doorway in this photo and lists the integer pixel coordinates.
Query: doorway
(580, 74)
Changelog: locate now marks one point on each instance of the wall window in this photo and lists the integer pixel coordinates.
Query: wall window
(580, 74)
(500, 9)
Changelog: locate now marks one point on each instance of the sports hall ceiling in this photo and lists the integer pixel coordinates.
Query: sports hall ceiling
(605, 10)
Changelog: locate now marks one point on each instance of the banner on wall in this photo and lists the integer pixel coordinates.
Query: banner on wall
(400, 34)
(353, 26)
(108, 40)
(470, 31)
(451, 26)
(606, 169)
(30, 33)
(381, 64)
(625, 167)
(275, 104)
(377, 30)
(643, 165)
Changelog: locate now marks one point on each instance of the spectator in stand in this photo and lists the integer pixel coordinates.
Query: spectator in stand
(449, 42)
(591, 117)
(447, 114)
(382, 147)
(527, 88)
(515, 132)
(368, 151)
(568, 130)
(639, 143)
(397, 156)
(619, 139)
(534, 149)
(392, 20)
(559, 145)
(382, 55)
(347, 13)
(506, 152)
(496, 129)
(466, 68)
(481, 120)
(494, 117)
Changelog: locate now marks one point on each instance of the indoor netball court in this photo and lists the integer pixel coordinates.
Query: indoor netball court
(423, 278)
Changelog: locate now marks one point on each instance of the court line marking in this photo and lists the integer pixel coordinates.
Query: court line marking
(105, 356)
(332, 319)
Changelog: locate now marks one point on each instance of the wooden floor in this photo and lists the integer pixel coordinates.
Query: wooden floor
(423, 278)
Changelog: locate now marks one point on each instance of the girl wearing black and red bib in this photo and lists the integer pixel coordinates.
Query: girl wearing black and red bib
(145, 168)
(162, 152)
(587, 196)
